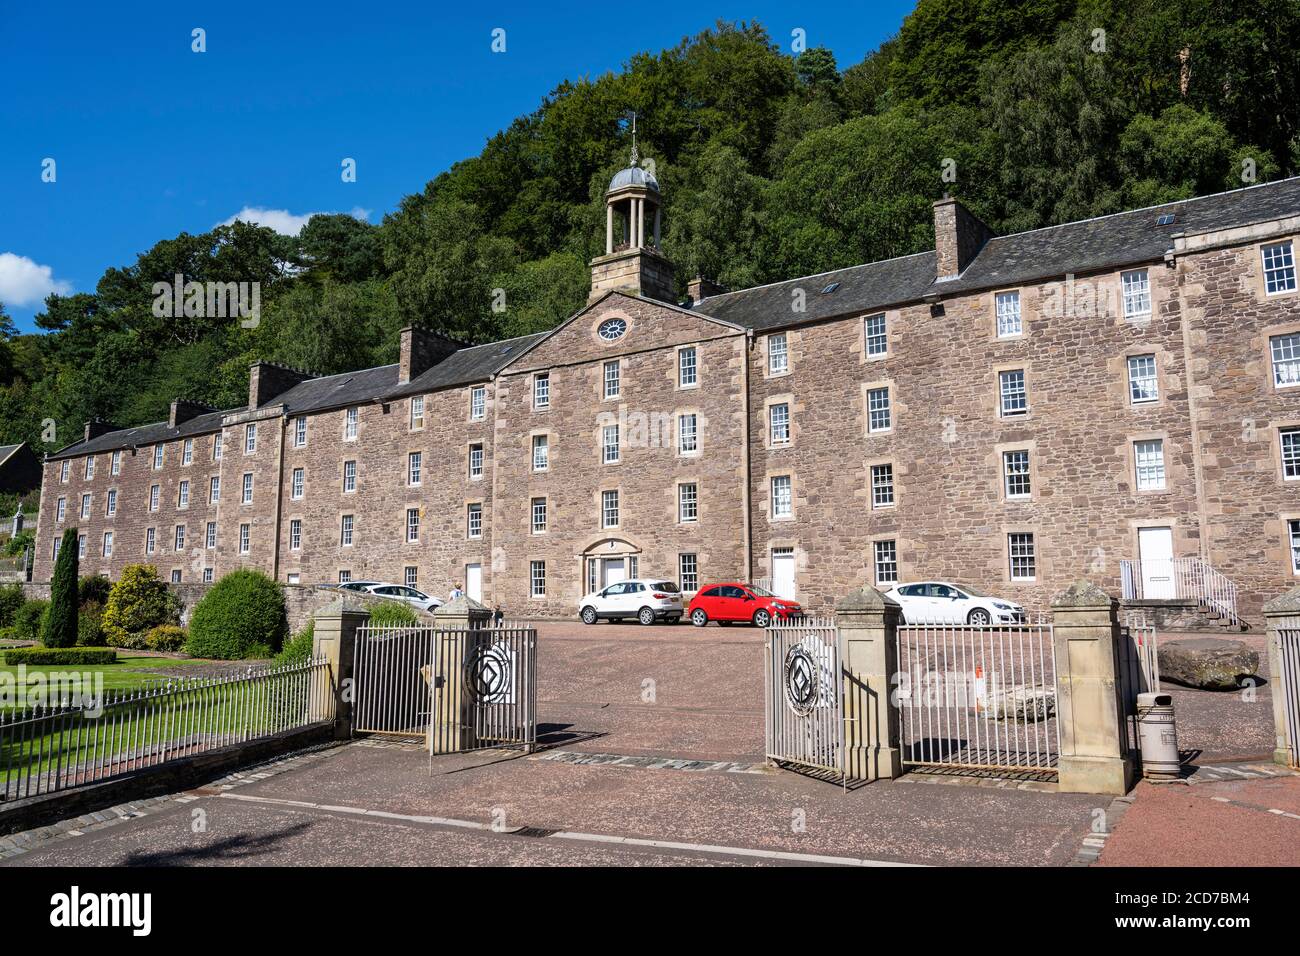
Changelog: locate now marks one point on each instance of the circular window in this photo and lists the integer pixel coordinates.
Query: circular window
(612, 329)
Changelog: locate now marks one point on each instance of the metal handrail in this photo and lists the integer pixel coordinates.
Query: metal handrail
(1192, 579)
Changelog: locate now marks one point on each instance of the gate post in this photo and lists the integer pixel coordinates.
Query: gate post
(867, 622)
(1283, 614)
(1085, 636)
(450, 722)
(334, 636)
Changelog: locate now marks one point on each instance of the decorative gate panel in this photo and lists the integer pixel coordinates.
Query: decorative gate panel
(804, 701)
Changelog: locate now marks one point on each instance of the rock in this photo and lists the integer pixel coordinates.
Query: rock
(1022, 703)
(1209, 663)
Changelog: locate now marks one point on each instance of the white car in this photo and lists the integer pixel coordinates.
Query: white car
(941, 602)
(400, 592)
(643, 599)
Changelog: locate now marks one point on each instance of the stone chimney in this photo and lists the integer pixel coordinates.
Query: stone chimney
(97, 426)
(267, 380)
(958, 237)
(183, 409)
(700, 288)
(421, 351)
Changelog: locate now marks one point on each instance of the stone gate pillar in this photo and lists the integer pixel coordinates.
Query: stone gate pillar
(334, 633)
(1085, 633)
(1282, 614)
(450, 726)
(868, 623)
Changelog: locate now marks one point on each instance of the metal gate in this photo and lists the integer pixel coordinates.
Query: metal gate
(978, 698)
(464, 689)
(805, 696)
(1288, 638)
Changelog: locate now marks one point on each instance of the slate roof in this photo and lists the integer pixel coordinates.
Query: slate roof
(337, 391)
(143, 435)
(475, 363)
(7, 450)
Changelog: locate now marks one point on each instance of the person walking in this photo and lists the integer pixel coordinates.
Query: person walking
(456, 591)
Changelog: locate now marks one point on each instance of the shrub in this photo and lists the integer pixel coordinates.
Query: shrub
(90, 624)
(392, 614)
(138, 602)
(243, 615)
(61, 655)
(59, 627)
(8, 634)
(165, 637)
(94, 588)
(11, 599)
(27, 622)
(297, 650)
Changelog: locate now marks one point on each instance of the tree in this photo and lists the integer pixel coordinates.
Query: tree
(59, 626)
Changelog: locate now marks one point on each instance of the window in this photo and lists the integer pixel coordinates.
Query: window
(688, 572)
(474, 521)
(591, 575)
(247, 497)
(1293, 529)
(633, 569)
(541, 453)
(187, 452)
(1149, 458)
(245, 538)
(879, 417)
(345, 577)
(417, 412)
(176, 575)
(882, 486)
(609, 509)
(90, 468)
(182, 495)
(778, 357)
(782, 505)
(1290, 438)
(214, 490)
(216, 448)
(687, 436)
(61, 509)
(886, 561)
(1279, 268)
(1286, 360)
(85, 506)
(1142, 384)
(688, 501)
(539, 515)
(609, 444)
(612, 380)
(345, 530)
(296, 482)
(115, 463)
(295, 534)
(1007, 306)
(349, 477)
(108, 544)
(410, 576)
(54, 549)
(179, 538)
(1020, 555)
(63, 471)
(475, 461)
(542, 391)
(477, 403)
(414, 461)
(778, 424)
(537, 578)
(81, 545)
(686, 367)
(300, 431)
(350, 418)
(412, 524)
(154, 492)
(110, 506)
(250, 438)
(1136, 290)
(874, 334)
(207, 576)
(1014, 399)
(210, 535)
(1015, 474)
(150, 540)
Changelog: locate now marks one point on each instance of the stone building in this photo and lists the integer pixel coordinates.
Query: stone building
(1117, 398)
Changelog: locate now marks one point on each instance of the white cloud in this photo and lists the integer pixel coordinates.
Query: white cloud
(282, 220)
(24, 282)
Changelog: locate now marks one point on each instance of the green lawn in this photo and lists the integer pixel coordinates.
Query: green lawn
(130, 672)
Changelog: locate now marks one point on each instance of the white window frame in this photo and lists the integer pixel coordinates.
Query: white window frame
(297, 483)
(537, 579)
(349, 476)
(115, 464)
(1149, 464)
(882, 485)
(542, 444)
(210, 535)
(1016, 475)
(351, 423)
(781, 496)
(150, 540)
(110, 502)
(250, 438)
(778, 353)
(609, 508)
(300, 432)
(246, 489)
(216, 447)
(347, 530)
(1135, 290)
(1006, 308)
(875, 335)
(610, 450)
(155, 496)
(688, 434)
(87, 501)
(1143, 377)
(1277, 260)
(1009, 393)
(475, 461)
(612, 377)
(688, 502)
(178, 538)
(245, 538)
(688, 571)
(183, 494)
(884, 561)
(1022, 547)
(295, 534)
(61, 509)
(414, 468)
(539, 515)
(688, 371)
(412, 525)
(107, 549)
(880, 410)
(187, 453)
(208, 577)
(477, 403)
(474, 521)
(411, 576)
(159, 455)
(778, 424)
(89, 471)
(63, 471)
(417, 412)
(1284, 353)
(542, 391)
(1293, 532)
(214, 489)
(1289, 450)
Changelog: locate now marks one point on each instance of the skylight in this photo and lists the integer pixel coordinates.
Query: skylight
(830, 288)
(1165, 219)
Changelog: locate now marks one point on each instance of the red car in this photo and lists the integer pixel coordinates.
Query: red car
(734, 603)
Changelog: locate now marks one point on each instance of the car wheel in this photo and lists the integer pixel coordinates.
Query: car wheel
(699, 618)
(646, 616)
(762, 618)
(979, 617)
(588, 615)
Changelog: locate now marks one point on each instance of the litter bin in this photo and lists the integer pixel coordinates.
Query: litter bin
(1157, 736)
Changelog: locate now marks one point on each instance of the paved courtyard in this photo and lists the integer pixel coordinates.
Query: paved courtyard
(614, 702)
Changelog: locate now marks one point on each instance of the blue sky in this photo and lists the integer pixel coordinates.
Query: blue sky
(151, 139)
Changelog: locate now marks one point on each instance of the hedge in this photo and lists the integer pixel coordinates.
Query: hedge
(242, 615)
(27, 622)
(11, 599)
(61, 655)
(392, 614)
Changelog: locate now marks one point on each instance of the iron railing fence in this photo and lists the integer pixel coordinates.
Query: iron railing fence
(69, 743)
(1190, 579)
(974, 697)
(804, 695)
(1288, 633)
(1137, 665)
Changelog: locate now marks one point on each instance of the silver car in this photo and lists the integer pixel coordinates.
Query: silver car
(401, 592)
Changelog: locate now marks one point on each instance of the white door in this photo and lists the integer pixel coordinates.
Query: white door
(474, 581)
(783, 573)
(611, 571)
(1156, 551)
